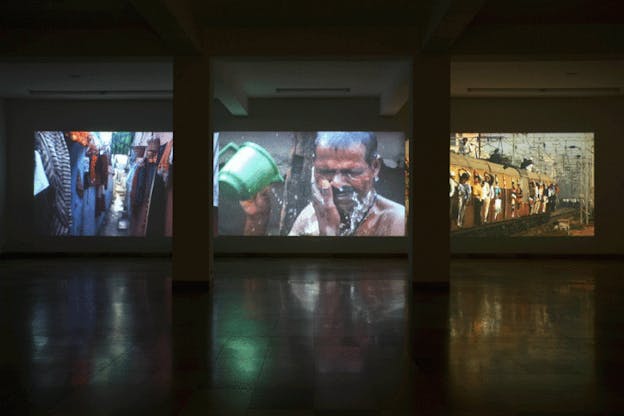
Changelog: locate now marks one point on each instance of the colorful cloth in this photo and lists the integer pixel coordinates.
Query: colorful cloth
(41, 180)
(163, 166)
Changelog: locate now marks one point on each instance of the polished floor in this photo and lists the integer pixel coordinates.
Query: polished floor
(311, 337)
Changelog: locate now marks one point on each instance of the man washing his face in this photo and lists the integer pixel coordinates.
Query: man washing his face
(344, 200)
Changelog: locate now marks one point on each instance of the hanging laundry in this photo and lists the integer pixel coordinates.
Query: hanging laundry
(79, 185)
(139, 186)
(93, 158)
(55, 159)
(100, 204)
(103, 168)
(153, 150)
(163, 166)
(81, 137)
(101, 171)
(41, 180)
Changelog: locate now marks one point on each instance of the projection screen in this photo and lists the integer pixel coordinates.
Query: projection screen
(318, 183)
(521, 185)
(103, 183)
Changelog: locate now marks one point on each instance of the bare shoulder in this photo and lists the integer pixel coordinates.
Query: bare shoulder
(390, 208)
(392, 214)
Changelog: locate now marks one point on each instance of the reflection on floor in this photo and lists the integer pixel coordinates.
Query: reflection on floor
(311, 337)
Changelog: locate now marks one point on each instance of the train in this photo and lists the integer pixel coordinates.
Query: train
(505, 175)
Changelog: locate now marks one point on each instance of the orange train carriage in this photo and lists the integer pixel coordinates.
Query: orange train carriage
(505, 176)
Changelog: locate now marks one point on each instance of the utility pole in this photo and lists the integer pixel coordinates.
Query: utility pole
(586, 179)
(581, 190)
(561, 177)
(585, 191)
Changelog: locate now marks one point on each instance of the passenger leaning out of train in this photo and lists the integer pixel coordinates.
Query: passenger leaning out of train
(496, 195)
(477, 198)
(453, 185)
(531, 197)
(492, 196)
(486, 188)
(538, 199)
(464, 193)
(513, 199)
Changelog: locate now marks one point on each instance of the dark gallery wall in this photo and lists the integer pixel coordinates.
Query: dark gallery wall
(19, 118)
(3, 176)
(26, 116)
(310, 114)
(23, 118)
(378, 42)
(316, 114)
(603, 116)
(193, 116)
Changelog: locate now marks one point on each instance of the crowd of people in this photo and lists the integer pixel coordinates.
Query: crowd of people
(490, 200)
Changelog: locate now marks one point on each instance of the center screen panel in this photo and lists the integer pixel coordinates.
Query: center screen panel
(320, 183)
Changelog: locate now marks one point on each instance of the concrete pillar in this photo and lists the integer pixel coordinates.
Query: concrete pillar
(429, 251)
(192, 212)
(3, 176)
(429, 163)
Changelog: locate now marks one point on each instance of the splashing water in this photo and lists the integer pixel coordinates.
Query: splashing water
(360, 210)
(277, 197)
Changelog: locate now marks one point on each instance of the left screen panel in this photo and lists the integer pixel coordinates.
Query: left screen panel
(103, 183)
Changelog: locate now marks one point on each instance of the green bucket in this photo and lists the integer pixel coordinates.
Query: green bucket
(249, 170)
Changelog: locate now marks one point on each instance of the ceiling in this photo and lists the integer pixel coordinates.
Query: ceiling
(69, 79)
(550, 12)
(30, 13)
(444, 24)
(238, 80)
(562, 78)
(93, 14)
(323, 12)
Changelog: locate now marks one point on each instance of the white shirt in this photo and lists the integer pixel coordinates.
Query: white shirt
(452, 186)
(485, 190)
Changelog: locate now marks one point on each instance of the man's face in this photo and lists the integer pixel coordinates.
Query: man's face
(150, 155)
(347, 171)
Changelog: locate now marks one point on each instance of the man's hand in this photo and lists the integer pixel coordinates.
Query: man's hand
(257, 210)
(258, 205)
(326, 211)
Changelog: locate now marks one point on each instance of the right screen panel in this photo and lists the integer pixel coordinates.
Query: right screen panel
(521, 184)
